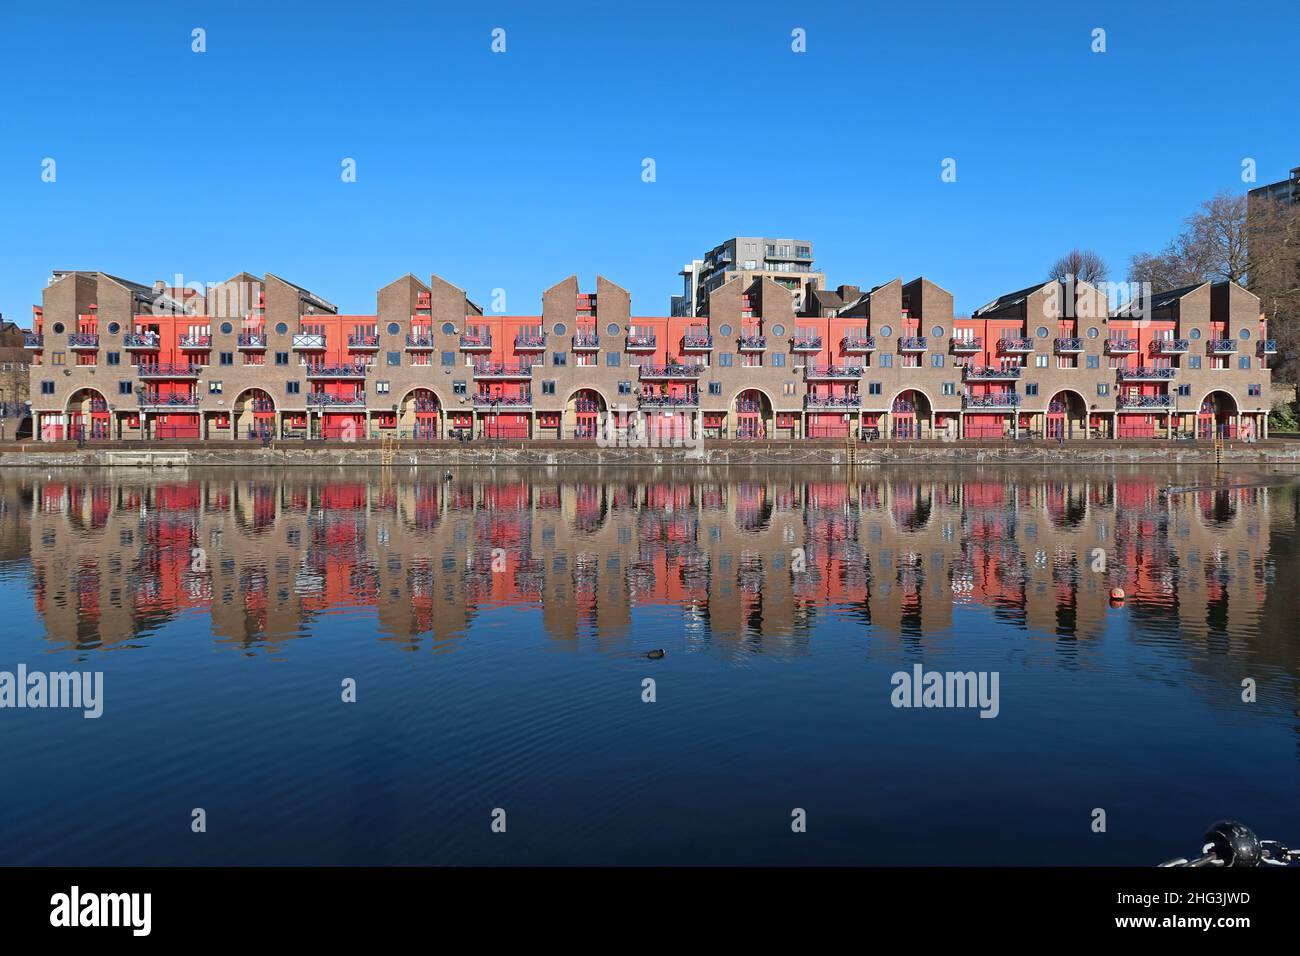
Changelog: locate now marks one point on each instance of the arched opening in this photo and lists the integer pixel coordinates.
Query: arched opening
(87, 418)
(420, 415)
(753, 413)
(584, 413)
(1217, 417)
(1067, 416)
(910, 415)
(254, 415)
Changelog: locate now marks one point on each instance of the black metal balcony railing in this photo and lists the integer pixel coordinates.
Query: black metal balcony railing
(833, 371)
(98, 406)
(309, 341)
(1072, 344)
(419, 340)
(155, 400)
(1169, 346)
(1121, 346)
(973, 344)
(1013, 343)
(336, 371)
(426, 405)
(502, 401)
(1221, 346)
(476, 340)
(195, 341)
(260, 405)
(1146, 401)
(832, 401)
(83, 340)
(586, 405)
(323, 400)
(751, 343)
(168, 370)
(641, 340)
(586, 341)
(672, 370)
(1268, 347)
(33, 340)
(363, 340)
(858, 343)
(748, 406)
(697, 340)
(251, 340)
(140, 340)
(502, 370)
(912, 343)
(1147, 373)
(992, 371)
(653, 400)
(806, 343)
(531, 341)
(998, 400)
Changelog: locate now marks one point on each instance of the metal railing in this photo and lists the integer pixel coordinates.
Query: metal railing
(672, 370)
(912, 343)
(1073, 344)
(195, 341)
(1014, 343)
(1146, 401)
(1221, 346)
(140, 340)
(168, 370)
(83, 340)
(1003, 400)
(251, 340)
(336, 371)
(987, 372)
(323, 400)
(832, 401)
(1146, 373)
(501, 370)
(833, 371)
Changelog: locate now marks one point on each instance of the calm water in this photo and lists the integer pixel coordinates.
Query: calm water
(497, 626)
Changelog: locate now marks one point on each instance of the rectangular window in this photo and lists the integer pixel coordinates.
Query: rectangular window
(47, 388)
(560, 358)
(291, 388)
(724, 359)
(125, 388)
(281, 358)
(394, 358)
(1094, 361)
(1254, 391)
(1193, 361)
(1185, 391)
(950, 388)
(715, 388)
(886, 360)
(1244, 363)
(57, 359)
(1103, 389)
(458, 388)
(114, 358)
(1040, 361)
(226, 358)
(448, 359)
(936, 361)
(1031, 388)
(778, 360)
(611, 359)
(382, 388)
(548, 387)
(625, 388)
(873, 388)
(214, 388)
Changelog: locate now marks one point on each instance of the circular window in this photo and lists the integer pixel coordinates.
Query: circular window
(1093, 332)
(226, 328)
(1194, 334)
(1245, 334)
(886, 331)
(114, 328)
(937, 331)
(724, 330)
(778, 330)
(281, 328)
(448, 328)
(559, 328)
(393, 328)
(612, 328)
(1042, 331)
(58, 328)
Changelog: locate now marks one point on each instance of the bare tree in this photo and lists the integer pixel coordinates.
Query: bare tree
(1083, 264)
(1211, 246)
(1274, 275)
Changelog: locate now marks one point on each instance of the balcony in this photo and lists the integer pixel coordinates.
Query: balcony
(1221, 347)
(1121, 346)
(33, 340)
(669, 401)
(83, 341)
(832, 372)
(168, 370)
(154, 400)
(1145, 373)
(419, 341)
(502, 402)
(672, 370)
(1145, 401)
(309, 341)
(992, 373)
(141, 341)
(1015, 345)
(336, 371)
(641, 341)
(476, 342)
(1268, 347)
(586, 341)
(499, 371)
(1067, 346)
(806, 343)
(533, 341)
(832, 401)
(1169, 346)
(697, 342)
(966, 346)
(858, 344)
(912, 343)
(751, 343)
(363, 342)
(195, 342)
(322, 400)
(251, 341)
(998, 400)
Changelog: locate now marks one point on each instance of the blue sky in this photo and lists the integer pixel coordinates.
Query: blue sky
(516, 170)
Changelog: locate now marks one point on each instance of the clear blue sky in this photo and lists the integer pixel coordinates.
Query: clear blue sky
(516, 170)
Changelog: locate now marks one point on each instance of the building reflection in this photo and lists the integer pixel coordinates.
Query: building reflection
(754, 559)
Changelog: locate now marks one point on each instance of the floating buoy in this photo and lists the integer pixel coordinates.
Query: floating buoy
(1116, 595)
(657, 655)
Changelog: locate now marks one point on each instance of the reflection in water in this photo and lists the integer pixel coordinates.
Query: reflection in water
(847, 579)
